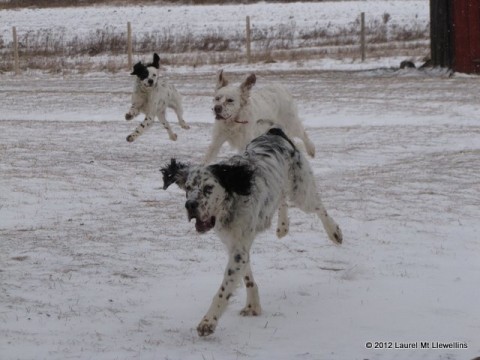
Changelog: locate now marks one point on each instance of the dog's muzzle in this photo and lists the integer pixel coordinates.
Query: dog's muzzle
(217, 109)
(192, 207)
(192, 212)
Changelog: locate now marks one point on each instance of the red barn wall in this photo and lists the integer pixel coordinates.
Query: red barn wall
(466, 36)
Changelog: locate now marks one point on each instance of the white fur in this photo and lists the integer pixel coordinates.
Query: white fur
(242, 115)
(152, 97)
(238, 198)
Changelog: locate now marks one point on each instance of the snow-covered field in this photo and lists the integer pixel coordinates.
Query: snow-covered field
(228, 19)
(98, 262)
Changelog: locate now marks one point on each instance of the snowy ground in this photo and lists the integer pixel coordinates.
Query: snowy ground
(97, 262)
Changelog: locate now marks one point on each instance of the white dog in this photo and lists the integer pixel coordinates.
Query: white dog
(238, 198)
(238, 111)
(151, 96)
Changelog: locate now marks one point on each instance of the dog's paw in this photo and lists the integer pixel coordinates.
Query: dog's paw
(251, 310)
(185, 126)
(281, 232)
(173, 137)
(206, 327)
(337, 236)
(130, 138)
(309, 147)
(128, 116)
(282, 229)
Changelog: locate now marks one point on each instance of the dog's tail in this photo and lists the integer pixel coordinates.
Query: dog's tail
(279, 132)
(266, 123)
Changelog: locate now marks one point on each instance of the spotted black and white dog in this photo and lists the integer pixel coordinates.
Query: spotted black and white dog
(238, 197)
(238, 110)
(151, 96)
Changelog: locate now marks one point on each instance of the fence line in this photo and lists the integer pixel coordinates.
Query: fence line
(362, 36)
(16, 60)
(129, 45)
(248, 40)
(264, 47)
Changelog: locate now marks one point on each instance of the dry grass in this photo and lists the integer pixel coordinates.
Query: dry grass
(49, 49)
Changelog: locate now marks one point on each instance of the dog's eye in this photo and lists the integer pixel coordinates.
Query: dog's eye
(230, 100)
(217, 98)
(207, 189)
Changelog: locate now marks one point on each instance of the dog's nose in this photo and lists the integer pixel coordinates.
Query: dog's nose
(191, 205)
(150, 81)
(217, 109)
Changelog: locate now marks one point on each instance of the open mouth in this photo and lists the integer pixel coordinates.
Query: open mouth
(221, 117)
(204, 226)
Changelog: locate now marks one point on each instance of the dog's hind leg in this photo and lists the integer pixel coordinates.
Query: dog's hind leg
(236, 268)
(308, 144)
(331, 227)
(299, 131)
(178, 108)
(144, 125)
(166, 125)
(315, 205)
(283, 222)
(306, 197)
(252, 308)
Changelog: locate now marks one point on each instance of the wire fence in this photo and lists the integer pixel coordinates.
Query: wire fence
(213, 45)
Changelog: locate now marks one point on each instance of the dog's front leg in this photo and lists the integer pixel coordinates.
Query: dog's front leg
(217, 141)
(283, 223)
(144, 125)
(252, 308)
(236, 268)
(132, 112)
(137, 103)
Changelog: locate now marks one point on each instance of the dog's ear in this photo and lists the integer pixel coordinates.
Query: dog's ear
(234, 178)
(175, 172)
(156, 61)
(221, 80)
(138, 69)
(248, 83)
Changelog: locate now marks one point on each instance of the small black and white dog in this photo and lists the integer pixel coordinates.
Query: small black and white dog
(151, 96)
(238, 197)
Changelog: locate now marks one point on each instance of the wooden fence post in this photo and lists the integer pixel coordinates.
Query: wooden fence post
(248, 40)
(129, 45)
(16, 64)
(362, 36)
